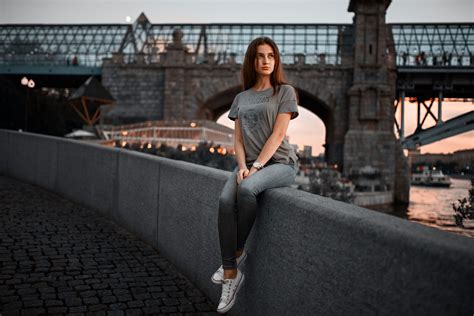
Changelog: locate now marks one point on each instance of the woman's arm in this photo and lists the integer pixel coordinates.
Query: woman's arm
(240, 152)
(273, 142)
(239, 146)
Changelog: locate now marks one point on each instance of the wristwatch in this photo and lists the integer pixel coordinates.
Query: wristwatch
(257, 165)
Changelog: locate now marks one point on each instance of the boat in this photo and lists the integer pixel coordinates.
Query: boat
(429, 177)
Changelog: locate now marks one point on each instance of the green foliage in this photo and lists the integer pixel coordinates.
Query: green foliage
(464, 208)
(327, 182)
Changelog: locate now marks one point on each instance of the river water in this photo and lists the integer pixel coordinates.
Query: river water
(432, 206)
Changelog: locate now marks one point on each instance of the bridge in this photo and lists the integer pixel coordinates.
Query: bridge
(349, 75)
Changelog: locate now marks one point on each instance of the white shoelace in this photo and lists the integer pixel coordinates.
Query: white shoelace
(226, 289)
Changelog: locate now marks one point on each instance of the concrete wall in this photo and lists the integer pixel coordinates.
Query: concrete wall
(307, 254)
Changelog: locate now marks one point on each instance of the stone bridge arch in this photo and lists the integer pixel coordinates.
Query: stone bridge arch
(322, 110)
(218, 104)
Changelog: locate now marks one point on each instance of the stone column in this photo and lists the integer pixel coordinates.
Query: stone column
(117, 58)
(370, 140)
(174, 61)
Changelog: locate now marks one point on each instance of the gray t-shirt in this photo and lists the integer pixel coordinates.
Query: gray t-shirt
(257, 112)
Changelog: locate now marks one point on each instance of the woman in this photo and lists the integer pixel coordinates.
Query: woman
(265, 159)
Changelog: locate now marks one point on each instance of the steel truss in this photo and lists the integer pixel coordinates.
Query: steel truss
(423, 45)
(415, 44)
(424, 135)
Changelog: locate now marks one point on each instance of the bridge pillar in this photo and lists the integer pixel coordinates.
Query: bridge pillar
(370, 141)
(175, 59)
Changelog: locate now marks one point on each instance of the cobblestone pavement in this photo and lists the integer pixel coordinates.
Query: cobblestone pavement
(57, 257)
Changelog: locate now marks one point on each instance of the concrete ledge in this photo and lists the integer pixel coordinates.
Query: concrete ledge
(32, 159)
(188, 209)
(307, 254)
(87, 173)
(336, 259)
(4, 150)
(137, 197)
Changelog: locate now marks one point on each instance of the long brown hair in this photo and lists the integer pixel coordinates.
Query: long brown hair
(249, 74)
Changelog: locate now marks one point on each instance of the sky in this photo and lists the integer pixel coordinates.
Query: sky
(307, 129)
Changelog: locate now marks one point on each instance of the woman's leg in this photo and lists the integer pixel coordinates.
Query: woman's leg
(227, 222)
(272, 176)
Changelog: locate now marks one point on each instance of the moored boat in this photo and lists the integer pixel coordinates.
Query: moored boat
(431, 178)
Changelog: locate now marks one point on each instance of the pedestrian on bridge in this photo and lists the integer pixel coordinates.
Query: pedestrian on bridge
(262, 113)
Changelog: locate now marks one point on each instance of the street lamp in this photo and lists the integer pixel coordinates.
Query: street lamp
(29, 84)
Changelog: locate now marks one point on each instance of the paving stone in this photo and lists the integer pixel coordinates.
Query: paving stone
(11, 306)
(57, 310)
(109, 299)
(88, 294)
(91, 300)
(34, 303)
(168, 309)
(33, 311)
(133, 304)
(152, 310)
(142, 296)
(133, 312)
(11, 313)
(22, 291)
(170, 301)
(78, 309)
(97, 307)
(118, 306)
(48, 296)
(72, 301)
(57, 257)
(186, 308)
(6, 299)
(49, 303)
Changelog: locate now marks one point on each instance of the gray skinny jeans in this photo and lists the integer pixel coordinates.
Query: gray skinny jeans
(238, 205)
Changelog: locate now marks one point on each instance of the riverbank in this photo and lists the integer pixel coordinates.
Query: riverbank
(432, 206)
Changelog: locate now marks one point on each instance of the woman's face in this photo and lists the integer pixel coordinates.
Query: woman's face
(265, 60)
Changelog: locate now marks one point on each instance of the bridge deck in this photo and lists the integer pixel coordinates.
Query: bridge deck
(59, 257)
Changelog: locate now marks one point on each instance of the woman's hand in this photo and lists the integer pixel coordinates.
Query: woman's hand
(242, 174)
(252, 171)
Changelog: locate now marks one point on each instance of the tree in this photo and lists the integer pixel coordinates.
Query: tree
(464, 208)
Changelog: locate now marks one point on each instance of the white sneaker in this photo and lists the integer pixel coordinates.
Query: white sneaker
(230, 287)
(218, 276)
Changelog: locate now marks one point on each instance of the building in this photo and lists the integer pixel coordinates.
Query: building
(463, 158)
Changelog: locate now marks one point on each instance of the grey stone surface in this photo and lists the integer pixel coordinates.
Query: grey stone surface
(87, 173)
(33, 159)
(187, 232)
(54, 253)
(340, 259)
(137, 207)
(4, 149)
(137, 89)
